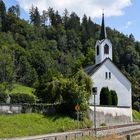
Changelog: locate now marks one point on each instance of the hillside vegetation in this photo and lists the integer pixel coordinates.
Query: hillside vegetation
(136, 116)
(50, 48)
(18, 88)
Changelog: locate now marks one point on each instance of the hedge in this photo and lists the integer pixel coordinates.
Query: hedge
(3, 97)
(114, 97)
(22, 98)
(108, 97)
(105, 96)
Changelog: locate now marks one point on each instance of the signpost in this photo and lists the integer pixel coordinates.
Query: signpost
(77, 108)
(94, 90)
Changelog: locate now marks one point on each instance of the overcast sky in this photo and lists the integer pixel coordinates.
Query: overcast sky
(123, 15)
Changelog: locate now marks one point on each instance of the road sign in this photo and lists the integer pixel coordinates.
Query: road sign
(94, 89)
(77, 107)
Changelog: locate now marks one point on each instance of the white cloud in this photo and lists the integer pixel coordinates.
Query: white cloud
(92, 8)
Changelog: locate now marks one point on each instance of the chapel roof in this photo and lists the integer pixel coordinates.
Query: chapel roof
(93, 68)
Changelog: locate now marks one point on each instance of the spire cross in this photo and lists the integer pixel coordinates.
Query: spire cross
(103, 10)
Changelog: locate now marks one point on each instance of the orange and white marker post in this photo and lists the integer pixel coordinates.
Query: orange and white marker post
(77, 108)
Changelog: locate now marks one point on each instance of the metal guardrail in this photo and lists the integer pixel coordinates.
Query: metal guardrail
(87, 132)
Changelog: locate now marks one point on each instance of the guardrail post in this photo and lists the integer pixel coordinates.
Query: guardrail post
(82, 134)
(75, 135)
(128, 137)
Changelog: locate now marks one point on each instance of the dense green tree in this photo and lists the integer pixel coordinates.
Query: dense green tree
(73, 40)
(2, 15)
(17, 10)
(44, 17)
(3, 94)
(83, 80)
(35, 16)
(6, 65)
(12, 10)
(68, 92)
(65, 19)
(74, 22)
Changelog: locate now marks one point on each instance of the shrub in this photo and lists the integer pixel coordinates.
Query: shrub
(103, 124)
(22, 98)
(105, 96)
(114, 97)
(67, 91)
(108, 97)
(3, 97)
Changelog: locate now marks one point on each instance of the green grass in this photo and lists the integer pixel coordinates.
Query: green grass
(36, 124)
(17, 88)
(136, 115)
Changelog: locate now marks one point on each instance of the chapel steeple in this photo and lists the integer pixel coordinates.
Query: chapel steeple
(103, 47)
(103, 34)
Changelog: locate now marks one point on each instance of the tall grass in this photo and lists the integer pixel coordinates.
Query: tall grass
(136, 115)
(36, 124)
(18, 88)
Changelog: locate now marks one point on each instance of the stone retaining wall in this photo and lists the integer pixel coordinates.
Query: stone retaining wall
(27, 108)
(111, 115)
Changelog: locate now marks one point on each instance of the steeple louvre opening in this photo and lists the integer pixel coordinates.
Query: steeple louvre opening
(106, 49)
(103, 34)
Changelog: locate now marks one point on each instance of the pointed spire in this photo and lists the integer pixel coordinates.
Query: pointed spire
(103, 34)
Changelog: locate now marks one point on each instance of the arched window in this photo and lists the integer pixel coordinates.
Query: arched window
(97, 50)
(106, 49)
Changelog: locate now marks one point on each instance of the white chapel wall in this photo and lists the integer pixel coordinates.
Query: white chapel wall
(117, 82)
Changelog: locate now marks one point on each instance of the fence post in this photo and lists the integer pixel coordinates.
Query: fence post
(128, 137)
(75, 136)
(82, 134)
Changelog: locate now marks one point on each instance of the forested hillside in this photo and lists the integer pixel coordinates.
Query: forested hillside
(51, 45)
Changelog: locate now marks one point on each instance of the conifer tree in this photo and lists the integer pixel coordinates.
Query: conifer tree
(2, 15)
(35, 16)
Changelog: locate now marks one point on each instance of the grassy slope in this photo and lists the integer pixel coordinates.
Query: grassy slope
(36, 124)
(17, 88)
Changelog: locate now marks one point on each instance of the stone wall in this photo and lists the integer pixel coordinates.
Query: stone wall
(27, 108)
(9, 109)
(111, 115)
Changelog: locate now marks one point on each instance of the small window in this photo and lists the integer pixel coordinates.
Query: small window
(97, 50)
(106, 49)
(109, 75)
(106, 75)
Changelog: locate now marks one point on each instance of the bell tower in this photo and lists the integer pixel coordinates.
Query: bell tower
(103, 47)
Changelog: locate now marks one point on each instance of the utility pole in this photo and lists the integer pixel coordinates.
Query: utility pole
(94, 90)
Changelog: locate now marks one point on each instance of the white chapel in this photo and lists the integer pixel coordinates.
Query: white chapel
(106, 74)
